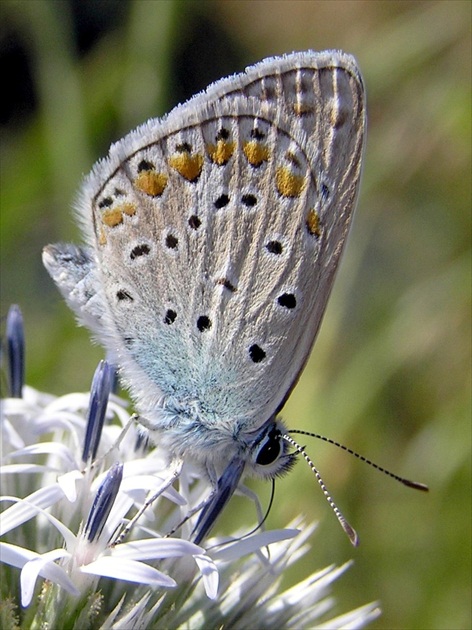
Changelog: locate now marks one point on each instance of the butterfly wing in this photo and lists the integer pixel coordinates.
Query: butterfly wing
(215, 234)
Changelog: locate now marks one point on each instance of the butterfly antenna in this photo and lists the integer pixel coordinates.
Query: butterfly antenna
(350, 531)
(406, 482)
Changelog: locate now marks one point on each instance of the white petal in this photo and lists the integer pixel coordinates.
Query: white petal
(49, 448)
(19, 557)
(45, 566)
(253, 543)
(69, 402)
(209, 575)
(15, 556)
(67, 421)
(68, 483)
(33, 397)
(28, 508)
(155, 548)
(14, 469)
(128, 570)
(354, 619)
(10, 435)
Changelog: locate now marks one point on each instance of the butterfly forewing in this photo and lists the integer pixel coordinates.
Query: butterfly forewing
(223, 231)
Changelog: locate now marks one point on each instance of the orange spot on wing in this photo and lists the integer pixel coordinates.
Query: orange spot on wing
(255, 152)
(151, 183)
(288, 184)
(187, 165)
(220, 152)
(313, 223)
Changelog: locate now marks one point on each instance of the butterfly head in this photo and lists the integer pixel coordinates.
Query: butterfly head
(267, 452)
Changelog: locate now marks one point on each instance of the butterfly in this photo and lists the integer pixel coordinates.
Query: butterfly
(213, 236)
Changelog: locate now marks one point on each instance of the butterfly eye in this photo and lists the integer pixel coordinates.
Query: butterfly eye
(269, 449)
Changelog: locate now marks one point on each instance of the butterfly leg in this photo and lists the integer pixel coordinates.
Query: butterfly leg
(176, 468)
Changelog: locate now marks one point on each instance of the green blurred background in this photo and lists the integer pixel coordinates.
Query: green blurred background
(390, 373)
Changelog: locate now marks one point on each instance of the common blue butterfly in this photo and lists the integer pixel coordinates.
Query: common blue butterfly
(213, 236)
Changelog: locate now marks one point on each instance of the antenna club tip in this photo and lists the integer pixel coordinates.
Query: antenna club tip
(416, 485)
(351, 533)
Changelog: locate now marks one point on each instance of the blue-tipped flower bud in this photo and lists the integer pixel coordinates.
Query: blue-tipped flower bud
(15, 334)
(103, 502)
(99, 394)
